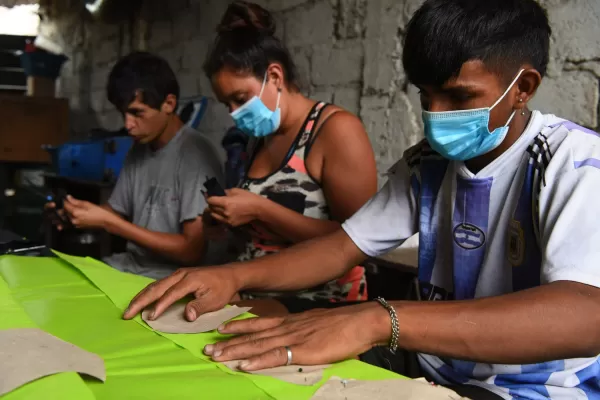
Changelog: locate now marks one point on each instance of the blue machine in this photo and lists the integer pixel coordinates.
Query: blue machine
(42, 63)
(96, 160)
(115, 151)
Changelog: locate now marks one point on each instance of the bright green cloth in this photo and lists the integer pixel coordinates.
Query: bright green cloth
(65, 386)
(81, 300)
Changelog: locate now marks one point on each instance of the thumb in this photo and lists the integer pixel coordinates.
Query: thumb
(74, 201)
(216, 201)
(197, 307)
(234, 191)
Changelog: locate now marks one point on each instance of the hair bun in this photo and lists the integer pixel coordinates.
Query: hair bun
(242, 15)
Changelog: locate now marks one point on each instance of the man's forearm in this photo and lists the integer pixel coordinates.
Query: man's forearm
(108, 208)
(301, 266)
(173, 246)
(551, 322)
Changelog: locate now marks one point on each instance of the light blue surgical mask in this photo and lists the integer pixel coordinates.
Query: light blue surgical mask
(463, 135)
(255, 119)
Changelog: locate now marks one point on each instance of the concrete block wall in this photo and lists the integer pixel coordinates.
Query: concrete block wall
(348, 52)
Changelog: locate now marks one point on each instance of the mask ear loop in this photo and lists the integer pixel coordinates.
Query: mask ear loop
(504, 95)
(511, 118)
(268, 138)
(508, 89)
(278, 98)
(262, 89)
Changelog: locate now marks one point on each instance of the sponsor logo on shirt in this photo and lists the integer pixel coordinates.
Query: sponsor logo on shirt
(468, 236)
(431, 292)
(516, 243)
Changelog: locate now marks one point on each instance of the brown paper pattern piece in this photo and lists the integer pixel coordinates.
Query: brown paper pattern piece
(173, 319)
(391, 389)
(296, 374)
(29, 354)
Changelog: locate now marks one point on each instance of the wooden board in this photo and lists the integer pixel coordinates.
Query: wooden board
(27, 123)
(38, 86)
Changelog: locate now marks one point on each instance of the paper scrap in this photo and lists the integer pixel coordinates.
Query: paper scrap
(173, 319)
(296, 374)
(391, 389)
(29, 354)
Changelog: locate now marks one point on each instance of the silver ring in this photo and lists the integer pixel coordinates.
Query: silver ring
(289, 355)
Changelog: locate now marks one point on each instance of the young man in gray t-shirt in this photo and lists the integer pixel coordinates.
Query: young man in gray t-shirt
(157, 203)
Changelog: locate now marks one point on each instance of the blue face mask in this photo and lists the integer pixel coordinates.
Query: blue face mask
(256, 119)
(463, 135)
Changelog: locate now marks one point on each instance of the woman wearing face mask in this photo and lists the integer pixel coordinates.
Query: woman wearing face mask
(311, 165)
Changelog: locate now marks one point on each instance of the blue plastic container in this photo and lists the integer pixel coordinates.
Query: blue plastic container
(42, 63)
(116, 150)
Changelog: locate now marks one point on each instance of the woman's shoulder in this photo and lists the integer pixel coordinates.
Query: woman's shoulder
(337, 123)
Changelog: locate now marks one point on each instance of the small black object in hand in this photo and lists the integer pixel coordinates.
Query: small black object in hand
(213, 188)
(58, 198)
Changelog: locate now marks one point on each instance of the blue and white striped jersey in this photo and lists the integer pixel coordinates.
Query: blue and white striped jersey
(525, 220)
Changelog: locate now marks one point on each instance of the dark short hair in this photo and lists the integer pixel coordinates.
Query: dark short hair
(504, 34)
(144, 74)
(246, 42)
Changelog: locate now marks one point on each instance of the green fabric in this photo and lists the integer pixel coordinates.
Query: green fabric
(65, 386)
(54, 294)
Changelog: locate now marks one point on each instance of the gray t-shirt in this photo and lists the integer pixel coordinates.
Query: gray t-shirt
(159, 191)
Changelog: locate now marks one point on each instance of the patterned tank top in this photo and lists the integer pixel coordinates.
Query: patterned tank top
(293, 187)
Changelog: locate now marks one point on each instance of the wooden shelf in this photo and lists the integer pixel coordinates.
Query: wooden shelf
(27, 123)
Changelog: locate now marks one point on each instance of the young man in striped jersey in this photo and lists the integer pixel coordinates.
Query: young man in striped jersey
(502, 198)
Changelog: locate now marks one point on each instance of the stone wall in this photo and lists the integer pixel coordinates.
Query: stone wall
(348, 52)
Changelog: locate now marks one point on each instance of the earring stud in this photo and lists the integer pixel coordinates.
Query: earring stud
(522, 110)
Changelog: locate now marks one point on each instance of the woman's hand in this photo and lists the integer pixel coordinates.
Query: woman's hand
(213, 229)
(239, 207)
(314, 337)
(213, 288)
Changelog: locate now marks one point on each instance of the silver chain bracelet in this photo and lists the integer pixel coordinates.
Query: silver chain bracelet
(393, 346)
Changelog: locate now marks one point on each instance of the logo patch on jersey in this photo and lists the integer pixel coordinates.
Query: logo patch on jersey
(516, 243)
(468, 236)
(430, 292)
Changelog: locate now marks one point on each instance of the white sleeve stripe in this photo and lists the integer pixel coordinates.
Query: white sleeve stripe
(361, 244)
(573, 276)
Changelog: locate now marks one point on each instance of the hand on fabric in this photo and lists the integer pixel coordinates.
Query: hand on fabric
(84, 214)
(212, 288)
(213, 229)
(314, 337)
(239, 207)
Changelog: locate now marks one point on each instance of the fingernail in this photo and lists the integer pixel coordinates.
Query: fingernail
(126, 311)
(151, 315)
(221, 328)
(218, 353)
(192, 314)
(244, 364)
(208, 349)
